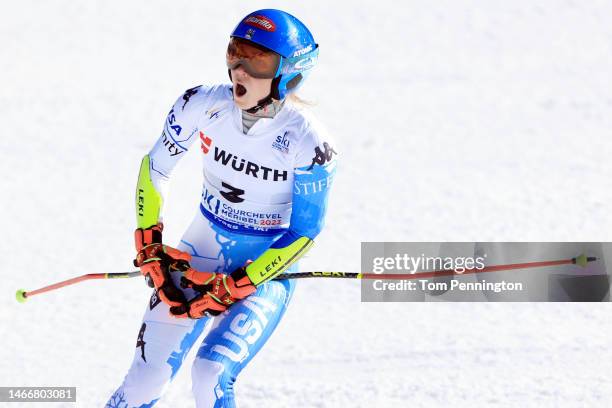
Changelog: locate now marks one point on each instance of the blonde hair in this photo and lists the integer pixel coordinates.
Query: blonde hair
(298, 101)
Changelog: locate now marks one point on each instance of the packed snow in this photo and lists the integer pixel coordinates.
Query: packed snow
(455, 120)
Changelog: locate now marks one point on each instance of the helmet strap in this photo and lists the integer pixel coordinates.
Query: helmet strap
(274, 91)
(274, 94)
(261, 104)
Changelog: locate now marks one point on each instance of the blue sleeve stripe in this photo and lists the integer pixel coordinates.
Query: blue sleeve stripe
(310, 196)
(286, 239)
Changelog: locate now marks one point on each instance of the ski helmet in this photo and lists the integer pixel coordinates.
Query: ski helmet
(282, 33)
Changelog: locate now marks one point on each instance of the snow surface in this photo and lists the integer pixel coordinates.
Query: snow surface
(456, 120)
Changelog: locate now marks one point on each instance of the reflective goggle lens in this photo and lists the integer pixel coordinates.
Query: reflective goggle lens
(256, 61)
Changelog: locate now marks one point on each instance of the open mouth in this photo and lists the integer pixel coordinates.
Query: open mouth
(240, 90)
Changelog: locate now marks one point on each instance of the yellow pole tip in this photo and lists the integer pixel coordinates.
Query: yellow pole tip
(20, 295)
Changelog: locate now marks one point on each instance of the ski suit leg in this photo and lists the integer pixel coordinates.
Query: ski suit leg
(162, 344)
(235, 338)
(164, 341)
(240, 332)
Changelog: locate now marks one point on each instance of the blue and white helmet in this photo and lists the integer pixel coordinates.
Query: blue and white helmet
(287, 36)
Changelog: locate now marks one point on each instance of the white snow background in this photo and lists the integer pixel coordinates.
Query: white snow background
(456, 120)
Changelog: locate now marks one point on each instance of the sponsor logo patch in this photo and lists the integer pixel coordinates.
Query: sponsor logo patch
(173, 148)
(312, 187)
(233, 194)
(188, 94)
(249, 34)
(261, 22)
(303, 51)
(248, 167)
(214, 112)
(304, 64)
(281, 143)
(205, 142)
(172, 123)
(229, 215)
(322, 156)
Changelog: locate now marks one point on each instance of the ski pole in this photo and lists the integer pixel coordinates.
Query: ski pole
(581, 260)
(22, 295)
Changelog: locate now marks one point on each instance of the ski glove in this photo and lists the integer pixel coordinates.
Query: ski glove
(216, 292)
(155, 261)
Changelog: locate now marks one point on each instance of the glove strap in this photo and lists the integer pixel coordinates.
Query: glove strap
(241, 278)
(144, 237)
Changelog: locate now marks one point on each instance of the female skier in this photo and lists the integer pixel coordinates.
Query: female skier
(267, 173)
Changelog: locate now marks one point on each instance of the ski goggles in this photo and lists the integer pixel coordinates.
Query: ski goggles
(257, 61)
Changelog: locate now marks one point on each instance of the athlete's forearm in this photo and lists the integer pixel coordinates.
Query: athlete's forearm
(149, 201)
(310, 197)
(279, 257)
(180, 131)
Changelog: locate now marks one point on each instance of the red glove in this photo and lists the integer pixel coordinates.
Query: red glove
(155, 261)
(217, 291)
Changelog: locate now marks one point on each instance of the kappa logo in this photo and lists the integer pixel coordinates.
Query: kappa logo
(261, 22)
(205, 142)
(322, 156)
(188, 94)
